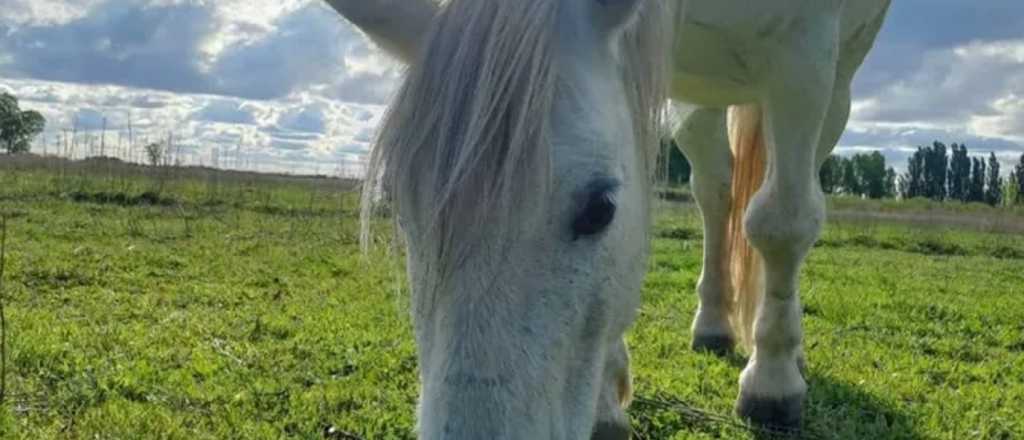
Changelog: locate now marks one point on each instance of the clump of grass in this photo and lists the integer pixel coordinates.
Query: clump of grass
(122, 199)
(679, 233)
(934, 246)
(1008, 253)
(3, 311)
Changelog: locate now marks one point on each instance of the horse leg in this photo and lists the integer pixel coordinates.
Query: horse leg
(702, 138)
(835, 121)
(616, 394)
(782, 222)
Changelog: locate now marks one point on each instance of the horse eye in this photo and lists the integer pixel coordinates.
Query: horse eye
(595, 216)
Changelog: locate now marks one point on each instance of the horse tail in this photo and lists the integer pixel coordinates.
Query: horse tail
(746, 139)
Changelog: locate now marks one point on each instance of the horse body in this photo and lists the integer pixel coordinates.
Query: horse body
(521, 180)
(788, 66)
(723, 50)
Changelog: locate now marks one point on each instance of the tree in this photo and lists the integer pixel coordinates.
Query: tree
(890, 183)
(994, 192)
(1019, 181)
(870, 174)
(912, 183)
(850, 181)
(831, 174)
(18, 127)
(959, 175)
(155, 153)
(1010, 189)
(674, 163)
(935, 164)
(858, 175)
(976, 191)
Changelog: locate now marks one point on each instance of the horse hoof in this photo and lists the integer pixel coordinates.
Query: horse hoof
(718, 344)
(782, 414)
(611, 431)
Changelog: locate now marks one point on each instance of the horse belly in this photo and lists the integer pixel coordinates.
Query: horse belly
(713, 68)
(709, 91)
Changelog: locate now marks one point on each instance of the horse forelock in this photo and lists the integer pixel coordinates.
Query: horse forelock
(466, 138)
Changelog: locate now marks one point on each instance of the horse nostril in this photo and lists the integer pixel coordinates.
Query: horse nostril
(611, 431)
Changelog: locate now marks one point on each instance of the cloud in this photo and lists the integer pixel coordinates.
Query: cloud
(88, 119)
(123, 43)
(913, 28)
(365, 88)
(199, 47)
(952, 84)
(309, 118)
(971, 93)
(290, 84)
(225, 111)
(306, 48)
(208, 129)
(944, 70)
(27, 12)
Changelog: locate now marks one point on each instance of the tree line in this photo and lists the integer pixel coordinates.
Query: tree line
(861, 175)
(936, 172)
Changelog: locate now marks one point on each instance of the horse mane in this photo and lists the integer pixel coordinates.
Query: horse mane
(469, 124)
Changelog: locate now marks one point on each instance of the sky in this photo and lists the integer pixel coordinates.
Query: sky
(287, 85)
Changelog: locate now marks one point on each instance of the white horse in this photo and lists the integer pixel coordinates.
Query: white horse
(517, 156)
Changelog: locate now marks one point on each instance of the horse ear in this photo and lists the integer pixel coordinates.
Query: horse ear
(397, 26)
(613, 15)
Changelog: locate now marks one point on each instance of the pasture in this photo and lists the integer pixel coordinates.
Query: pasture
(241, 308)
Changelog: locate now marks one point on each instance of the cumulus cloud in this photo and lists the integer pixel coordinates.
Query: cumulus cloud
(288, 82)
(971, 93)
(88, 119)
(225, 111)
(199, 47)
(259, 78)
(952, 85)
(206, 129)
(944, 70)
(308, 118)
(121, 43)
(915, 28)
(45, 11)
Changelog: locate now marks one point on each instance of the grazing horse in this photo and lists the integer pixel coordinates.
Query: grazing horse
(517, 158)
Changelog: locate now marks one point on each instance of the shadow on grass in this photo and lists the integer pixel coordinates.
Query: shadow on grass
(834, 410)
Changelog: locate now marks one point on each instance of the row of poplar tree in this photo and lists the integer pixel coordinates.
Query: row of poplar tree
(935, 172)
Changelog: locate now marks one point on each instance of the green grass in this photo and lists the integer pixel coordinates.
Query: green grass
(247, 312)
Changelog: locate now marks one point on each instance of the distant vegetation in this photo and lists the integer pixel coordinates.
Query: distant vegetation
(931, 174)
(862, 175)
(18, 127)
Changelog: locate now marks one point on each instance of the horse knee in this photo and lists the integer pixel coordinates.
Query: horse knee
(782, 228)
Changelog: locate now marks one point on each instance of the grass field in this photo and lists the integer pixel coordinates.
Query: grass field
(245, 311)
